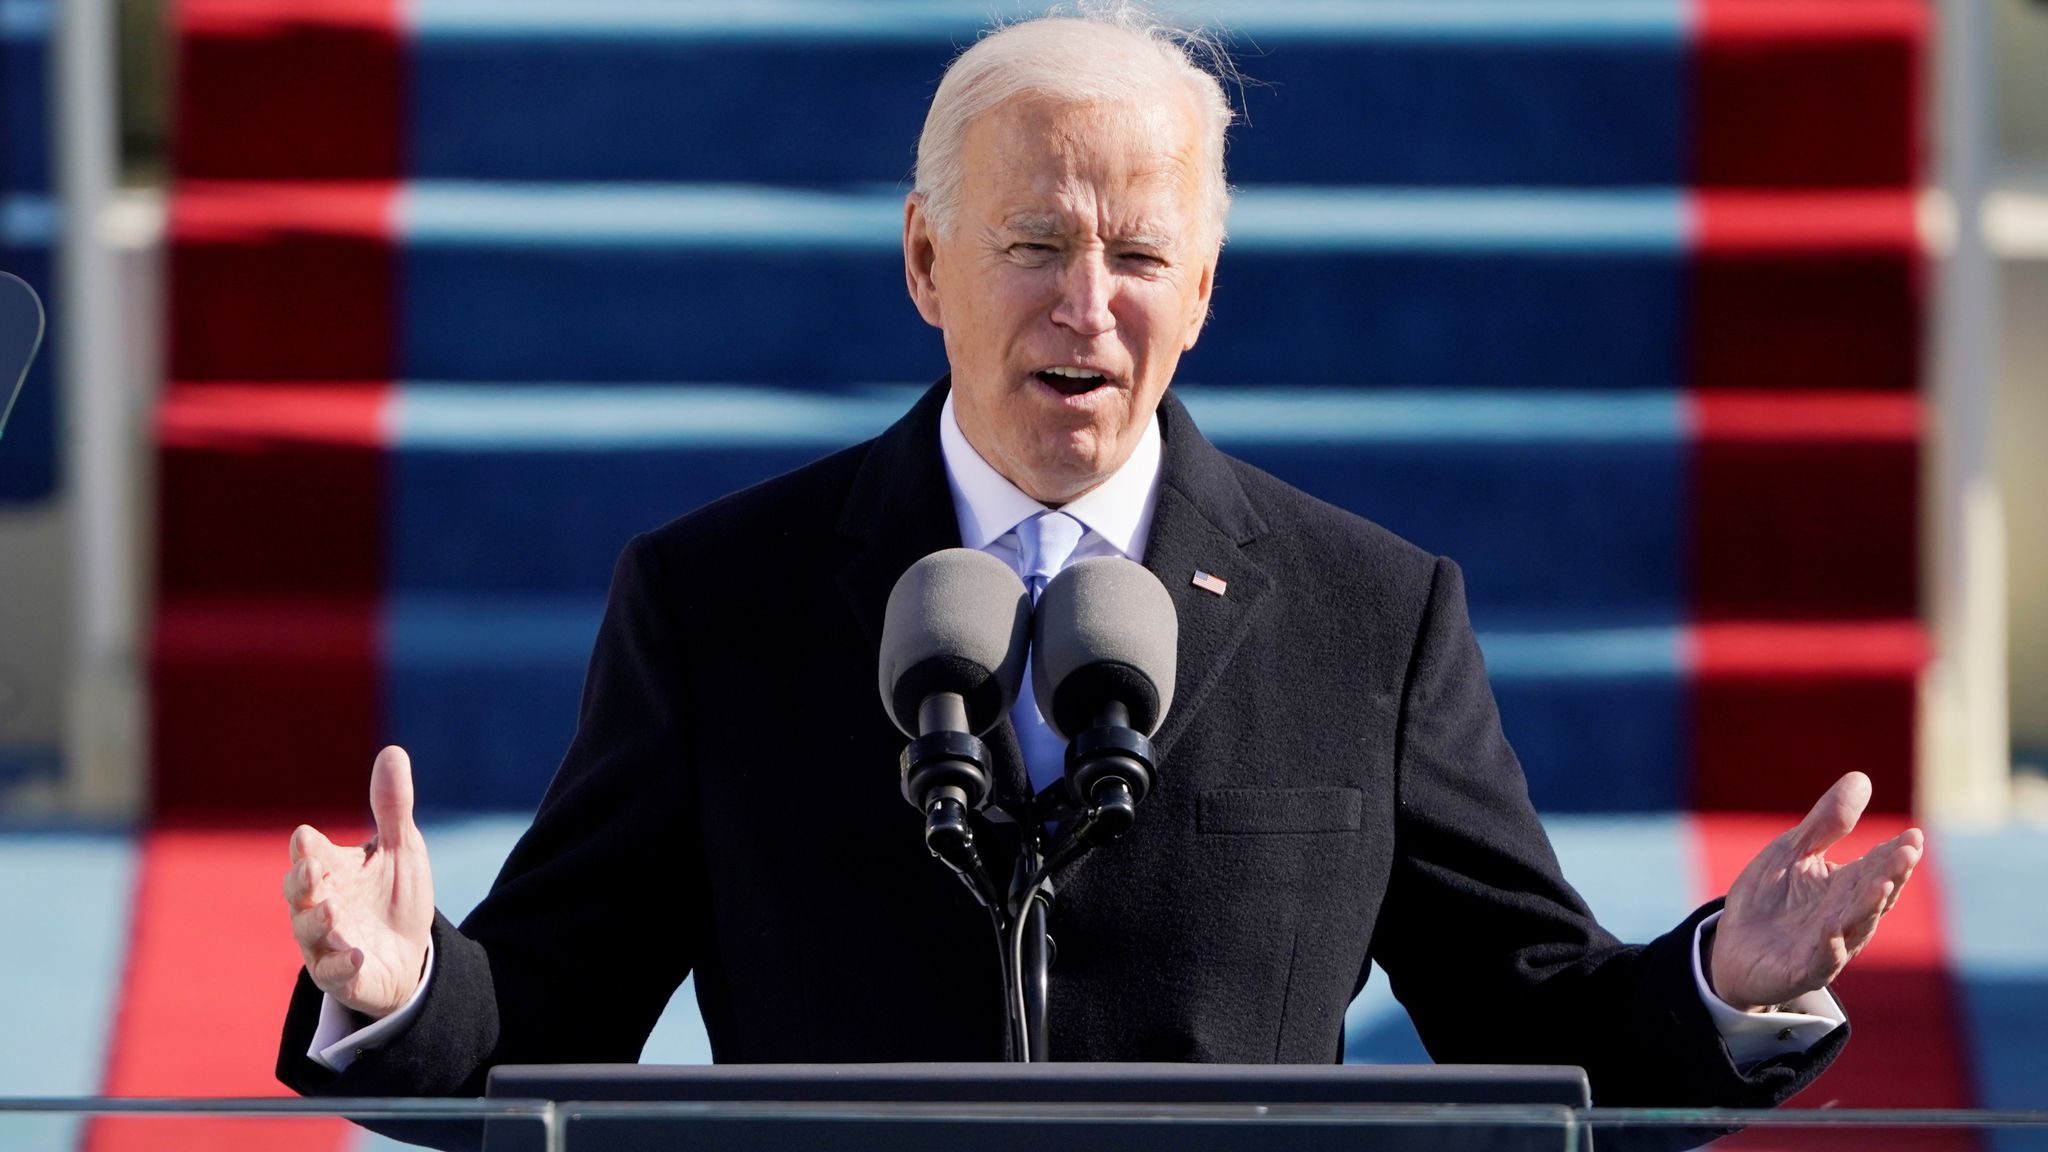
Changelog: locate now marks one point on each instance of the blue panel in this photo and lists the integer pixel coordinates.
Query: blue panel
(769, 317)
(522, 521)
(1569, 528)
(1599, 744)
(482, 693)
(1549, 529)
(1464, 111)
(1375, 93)
(1637, 873)
(29, 458)
(64, 897)
(25, 105)
(1998, 944)
(1387, 291)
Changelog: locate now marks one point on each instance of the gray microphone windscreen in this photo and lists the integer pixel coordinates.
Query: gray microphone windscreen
(1105, 631)
(958, 621)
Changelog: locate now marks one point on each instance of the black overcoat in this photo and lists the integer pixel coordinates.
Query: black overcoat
(1334, 787)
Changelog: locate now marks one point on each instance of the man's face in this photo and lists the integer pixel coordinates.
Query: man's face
(1077, 271)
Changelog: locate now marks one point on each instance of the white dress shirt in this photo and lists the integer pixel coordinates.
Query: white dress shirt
(1118, 516)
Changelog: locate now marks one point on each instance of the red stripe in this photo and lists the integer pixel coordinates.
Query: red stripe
(1808, 92)
(1779, 711)
(1884, 220)
(1804, 291)
(1805, 505)
(1884, 649)
(263, 706)
(1905, 1045)
(272, 490)
(233, 211)
(289, 89)
(1806, 417)
(283, 282)
(210, 970)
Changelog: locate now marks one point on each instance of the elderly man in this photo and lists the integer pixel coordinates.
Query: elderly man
(1333, 789)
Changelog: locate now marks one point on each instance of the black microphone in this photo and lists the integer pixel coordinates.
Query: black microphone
(1103, 655)
(953, 646)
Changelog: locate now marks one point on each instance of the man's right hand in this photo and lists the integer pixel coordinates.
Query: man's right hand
(363, 913)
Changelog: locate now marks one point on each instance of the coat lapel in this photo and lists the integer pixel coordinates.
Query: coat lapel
(1201, 524)
(900, 509)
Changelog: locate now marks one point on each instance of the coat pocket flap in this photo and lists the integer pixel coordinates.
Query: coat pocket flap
(1243, 810)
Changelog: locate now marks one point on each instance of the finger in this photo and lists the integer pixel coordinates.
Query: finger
(1900, 871)
(334, 970)
(303, 884)
(391, 796)
(1873, 899)
(313, 928)
(308, 841)
(1834, 815)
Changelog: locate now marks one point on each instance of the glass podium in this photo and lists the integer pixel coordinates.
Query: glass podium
(291, 1125)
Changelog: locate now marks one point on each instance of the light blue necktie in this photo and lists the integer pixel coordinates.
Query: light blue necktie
(1047, 541)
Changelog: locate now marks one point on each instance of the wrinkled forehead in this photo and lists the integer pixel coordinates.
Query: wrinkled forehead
(1031, 162)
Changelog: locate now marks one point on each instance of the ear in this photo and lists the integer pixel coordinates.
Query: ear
(1203, 288)
(920, 259)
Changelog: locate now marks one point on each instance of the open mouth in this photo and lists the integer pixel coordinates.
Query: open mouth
(1072, 381)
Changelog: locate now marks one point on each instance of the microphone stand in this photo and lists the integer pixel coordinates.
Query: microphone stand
(1030, 950)
(1109, 768)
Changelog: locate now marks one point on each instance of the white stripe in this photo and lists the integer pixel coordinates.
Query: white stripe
(1268, 218)
(569, 417)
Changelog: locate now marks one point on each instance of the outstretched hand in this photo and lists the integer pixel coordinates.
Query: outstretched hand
(362, 913)
(1794, 918)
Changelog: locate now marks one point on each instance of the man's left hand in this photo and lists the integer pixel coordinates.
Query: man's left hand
(1794, 918)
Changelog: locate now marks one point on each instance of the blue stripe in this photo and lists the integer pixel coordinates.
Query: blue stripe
(715, 216)
(1658, 20)
(500, 488)
(442, 632)
(64, 898)
(1434, 219)
(571, 417)
(1496, 95)
(1266, 219)
(1998, 950)
(1300, 415)
(1639, 874)
(28, 221)
(26, 19)
(577, 418)
(1593, 654)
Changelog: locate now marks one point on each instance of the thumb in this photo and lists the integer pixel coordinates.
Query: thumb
(391, 797)
(1834, 815)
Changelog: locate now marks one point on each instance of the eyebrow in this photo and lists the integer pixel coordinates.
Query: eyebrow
(1044, 227)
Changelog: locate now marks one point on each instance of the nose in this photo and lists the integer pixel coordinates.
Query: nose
(1086, 288)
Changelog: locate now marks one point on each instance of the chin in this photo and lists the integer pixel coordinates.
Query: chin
(1061, 479)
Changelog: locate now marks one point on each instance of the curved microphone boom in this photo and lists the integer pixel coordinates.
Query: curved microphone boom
(1103, 655)
(953, 647)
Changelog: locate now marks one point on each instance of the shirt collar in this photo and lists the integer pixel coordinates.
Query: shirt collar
(988, 506)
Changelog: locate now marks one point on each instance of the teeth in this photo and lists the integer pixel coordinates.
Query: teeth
(1073, 373)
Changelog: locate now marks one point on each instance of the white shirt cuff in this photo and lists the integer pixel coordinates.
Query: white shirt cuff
(337, 1041)
(1754, 1037)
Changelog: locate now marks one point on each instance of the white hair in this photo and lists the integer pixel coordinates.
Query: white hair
(1107, 52)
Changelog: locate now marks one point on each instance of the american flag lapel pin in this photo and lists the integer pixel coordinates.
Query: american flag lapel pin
(1208, 583)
